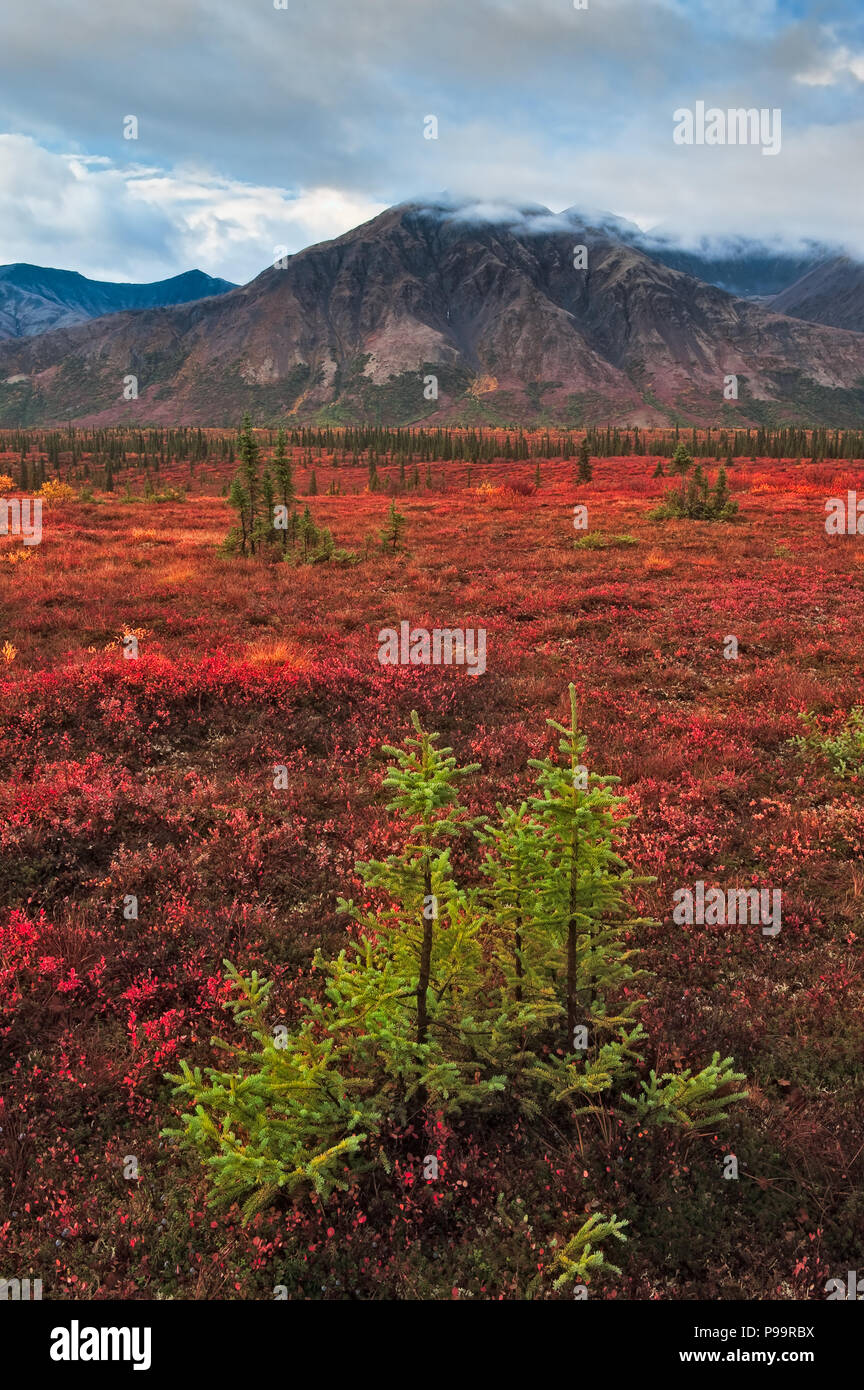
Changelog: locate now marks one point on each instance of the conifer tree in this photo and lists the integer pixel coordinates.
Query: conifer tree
(697, 500)
(585, 471)
(423, 782)
(721, 505)
(681, 461)
(586, 881)
(238, 499)
(449, 997)
(268, 498)
(284, 482)
(249, 455)
(514, 867)
(695, 495)
(394, 529)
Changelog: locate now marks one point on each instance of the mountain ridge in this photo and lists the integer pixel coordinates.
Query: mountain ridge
(495, 310)
(36, 299)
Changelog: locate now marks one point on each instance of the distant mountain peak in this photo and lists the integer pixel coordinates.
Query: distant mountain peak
(35, 299)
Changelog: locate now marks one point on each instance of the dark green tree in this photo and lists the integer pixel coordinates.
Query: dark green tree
(721, 506)
(284, 477)
(586, 882)
(249, 455)
(238, 537)
(681, 461)
(393, 531)
(268, 502)
(585, 471)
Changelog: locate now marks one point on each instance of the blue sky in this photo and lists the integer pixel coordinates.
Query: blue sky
(261, 127)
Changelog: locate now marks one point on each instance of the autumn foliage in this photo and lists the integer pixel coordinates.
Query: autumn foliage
(152, 778)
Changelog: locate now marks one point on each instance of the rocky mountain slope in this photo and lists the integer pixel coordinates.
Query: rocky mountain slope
(832, 293)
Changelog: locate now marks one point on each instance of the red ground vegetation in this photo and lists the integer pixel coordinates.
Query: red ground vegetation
(154, 778)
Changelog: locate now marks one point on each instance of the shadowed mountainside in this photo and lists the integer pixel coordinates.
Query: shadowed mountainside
(34, 299)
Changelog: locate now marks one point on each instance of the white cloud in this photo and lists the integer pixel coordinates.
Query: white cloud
(692, 191)
(83, 212)
(832, 68)
(237, 226)
(262, 128)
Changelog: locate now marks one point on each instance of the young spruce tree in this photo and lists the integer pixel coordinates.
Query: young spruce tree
(284, 479)
(450, 997)
(584, 901)
(249, 455)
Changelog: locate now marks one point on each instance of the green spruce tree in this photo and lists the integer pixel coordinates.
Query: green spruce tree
(681, 462)
(584, 472)
(249, 455)
(393, 531)
(285, 493)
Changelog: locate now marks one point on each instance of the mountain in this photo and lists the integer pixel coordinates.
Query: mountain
(832, 293)
(35, 300)
(746, 268)
(487, 301)
(743, 266)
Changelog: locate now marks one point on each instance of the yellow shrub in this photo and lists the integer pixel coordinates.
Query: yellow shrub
(55, 491)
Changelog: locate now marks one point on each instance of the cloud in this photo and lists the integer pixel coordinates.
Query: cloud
(329, 93)
(833, 68)
(137, 223)
(239, 227)
(261, 127)
(728, 190)
(74, 214)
